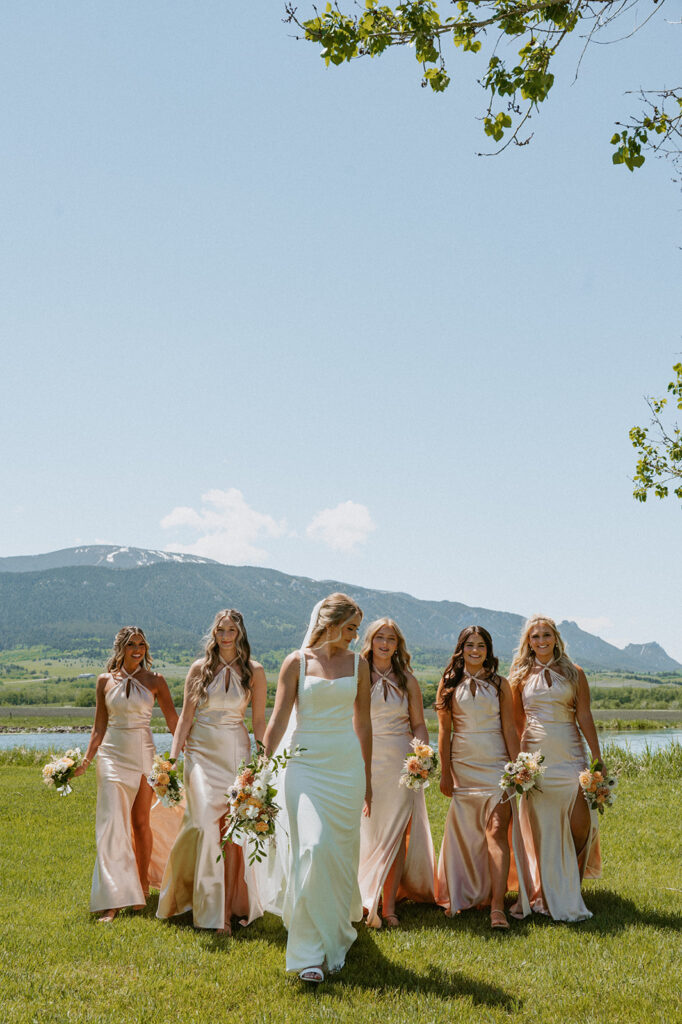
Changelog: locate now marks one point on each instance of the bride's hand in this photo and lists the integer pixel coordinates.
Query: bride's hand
(367, 806)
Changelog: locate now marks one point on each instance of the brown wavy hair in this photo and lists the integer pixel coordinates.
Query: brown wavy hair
(400, 659)
(210, 663)
(454, 670)
(335, 610)
(121, 641)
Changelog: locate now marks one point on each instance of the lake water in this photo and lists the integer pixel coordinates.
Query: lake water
(636, 741)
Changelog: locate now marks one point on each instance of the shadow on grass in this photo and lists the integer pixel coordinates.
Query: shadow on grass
(428, 917)
(368, 968)
(267, 928)
(612, 913)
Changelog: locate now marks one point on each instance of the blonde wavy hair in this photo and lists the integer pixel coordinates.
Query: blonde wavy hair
(121, 641)
(524, 657)
(211, 663)
(335, 611)
(400, 659)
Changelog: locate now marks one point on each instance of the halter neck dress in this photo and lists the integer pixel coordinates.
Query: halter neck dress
(555, 872)
(217, 743)
(324, 791)
(395, 809)
(478, 754)
(124, 757)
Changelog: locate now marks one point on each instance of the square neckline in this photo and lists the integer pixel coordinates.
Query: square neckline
(304, 674)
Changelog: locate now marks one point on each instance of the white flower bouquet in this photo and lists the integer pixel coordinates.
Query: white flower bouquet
(523, 774)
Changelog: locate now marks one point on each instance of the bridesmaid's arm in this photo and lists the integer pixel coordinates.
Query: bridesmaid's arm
(99, 727)
(362, 723)
(584, 717)
(189, 706)
(447, 783)
(165, 700)
(511, 737)
(416, 710)
(259, 689)
(519, 713)
(285, 698)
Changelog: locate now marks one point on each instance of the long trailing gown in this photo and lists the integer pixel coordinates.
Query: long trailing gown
(324, 791)
(125, 755)
(217, 743)
(395, 809)
(555, 872)
(478, 755)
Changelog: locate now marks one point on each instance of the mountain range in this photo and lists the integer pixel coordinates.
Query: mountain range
(85, 594)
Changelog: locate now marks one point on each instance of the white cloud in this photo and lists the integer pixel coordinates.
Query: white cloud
(228, 528)
(343, 527)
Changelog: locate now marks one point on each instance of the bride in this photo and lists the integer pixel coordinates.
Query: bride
(324, 786)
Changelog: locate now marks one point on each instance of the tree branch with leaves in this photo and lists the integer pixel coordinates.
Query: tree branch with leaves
(659, 446)
(515, 87)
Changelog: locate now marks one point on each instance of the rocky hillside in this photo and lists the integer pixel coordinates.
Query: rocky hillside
(175, 601)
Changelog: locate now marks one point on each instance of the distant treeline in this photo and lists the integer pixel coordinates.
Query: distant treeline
(80, 693)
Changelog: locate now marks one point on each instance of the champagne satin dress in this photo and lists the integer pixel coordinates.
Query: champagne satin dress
(217, 743)
(395, 809)
(324, 790)
(124, 757)
(555, 870)
(478, 755)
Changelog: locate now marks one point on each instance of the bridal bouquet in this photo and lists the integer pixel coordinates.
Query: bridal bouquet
(58, 773)
(418, 766)
(524, 773)
(252, 809)
(598, 786)
(165, 781)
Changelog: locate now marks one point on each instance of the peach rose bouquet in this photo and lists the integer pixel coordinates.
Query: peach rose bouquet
(419, 766)
(165, 780)
(598, 786)
(58, 773)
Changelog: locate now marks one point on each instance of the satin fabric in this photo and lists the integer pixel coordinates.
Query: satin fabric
(478, 755)
(194, 878)
(395, 810)
(555, 872)
(324, 791)
(124, 757)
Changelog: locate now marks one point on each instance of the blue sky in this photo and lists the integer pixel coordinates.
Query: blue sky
(284, 315)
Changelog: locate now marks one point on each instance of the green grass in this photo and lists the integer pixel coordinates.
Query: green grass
(634, 724)
(620, 967)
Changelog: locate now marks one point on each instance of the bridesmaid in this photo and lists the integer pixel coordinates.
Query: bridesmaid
(324, 786)
(121, 733)
(218, 690)
(396, 849)
(476, 738)
(551, 702)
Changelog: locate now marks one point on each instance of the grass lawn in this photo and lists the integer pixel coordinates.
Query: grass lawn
(58, 965)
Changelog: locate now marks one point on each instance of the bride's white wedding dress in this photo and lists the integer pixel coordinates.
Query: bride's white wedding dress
(324, 792)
